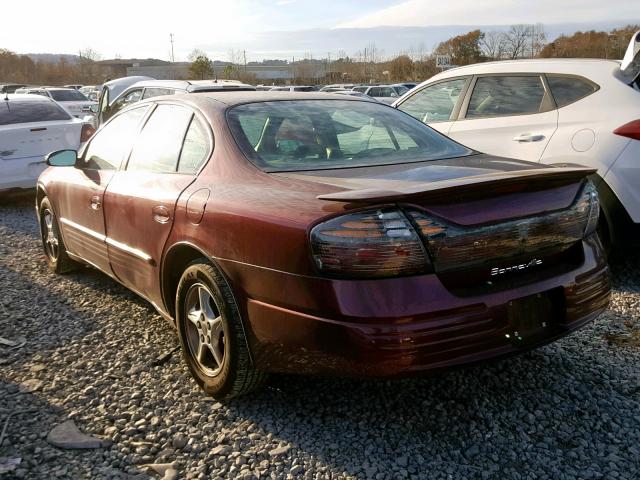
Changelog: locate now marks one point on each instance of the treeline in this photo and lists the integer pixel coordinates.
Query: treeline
(16, 68)
(370, 64)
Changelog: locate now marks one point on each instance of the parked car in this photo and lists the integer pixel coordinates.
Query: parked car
(264, 88)
(10, 87)
(294, 88)
(74, 86)
(154, 88)
(552, 111)
(351, 93)
(92, 92)
(382, 93)
(70, 99)
(408, 85)
(337, 86)
(324, 235)
(30, 127)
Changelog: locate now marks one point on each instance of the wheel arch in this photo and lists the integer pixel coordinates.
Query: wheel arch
(174, 263)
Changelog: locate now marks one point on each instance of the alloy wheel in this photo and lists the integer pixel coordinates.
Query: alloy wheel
(50, 235)
(204, 329)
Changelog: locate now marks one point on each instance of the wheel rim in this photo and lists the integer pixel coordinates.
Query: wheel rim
(204, 330)
(50, 235)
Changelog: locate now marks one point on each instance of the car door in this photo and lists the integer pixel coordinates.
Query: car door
(507, 115)
(437, 104)
(81, 196)
(141, 198)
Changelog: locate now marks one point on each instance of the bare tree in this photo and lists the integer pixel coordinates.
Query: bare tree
(516, 41)
(195, 53)
(493, 45)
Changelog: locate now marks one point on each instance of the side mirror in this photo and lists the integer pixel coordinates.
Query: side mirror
(62, 158)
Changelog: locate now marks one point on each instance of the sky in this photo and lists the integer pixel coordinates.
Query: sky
(283, 28)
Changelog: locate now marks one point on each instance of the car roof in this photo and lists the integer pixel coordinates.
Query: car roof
(577, 65)
(26, 97)
(232, 98)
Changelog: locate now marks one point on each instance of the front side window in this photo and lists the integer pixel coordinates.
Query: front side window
(566, 90)
(434, 103)
(131, 97)
(503, 96)
(112, 142)
(158, 146)
(325, 134)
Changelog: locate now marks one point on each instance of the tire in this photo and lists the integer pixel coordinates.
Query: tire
(211, 334)
(54, 249)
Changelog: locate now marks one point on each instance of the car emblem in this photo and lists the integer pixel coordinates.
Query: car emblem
(522, 266)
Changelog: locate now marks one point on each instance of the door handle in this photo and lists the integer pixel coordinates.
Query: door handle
(95, 202)
(528, 137)
(161, 214)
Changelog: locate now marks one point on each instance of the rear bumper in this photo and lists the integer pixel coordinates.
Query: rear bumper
(21, 172)
(400, 326)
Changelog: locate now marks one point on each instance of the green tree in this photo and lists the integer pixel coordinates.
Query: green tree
(463, 49)
(201, 67)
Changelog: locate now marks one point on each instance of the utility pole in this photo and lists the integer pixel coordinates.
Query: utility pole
(172, 57)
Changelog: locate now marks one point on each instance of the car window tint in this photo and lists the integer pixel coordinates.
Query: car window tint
(313, 134)
(503, 95)
(374, 92)
(195, 147)
(434, 103)
(158, 145)
(67, 96)
(112, 142)
(157, 92)
(12, 112)
(566, 90)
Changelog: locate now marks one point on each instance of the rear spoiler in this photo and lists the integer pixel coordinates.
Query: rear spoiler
(402, 190)
(630, 66)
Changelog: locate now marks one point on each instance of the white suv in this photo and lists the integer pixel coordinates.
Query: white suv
(553, 111)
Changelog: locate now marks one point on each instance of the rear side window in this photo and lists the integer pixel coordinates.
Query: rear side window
(158, 145)
(195, 148)
(157, 92)
(566, 90)
(12, 112)
(504, 96)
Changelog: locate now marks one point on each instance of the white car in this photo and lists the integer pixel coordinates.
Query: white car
(70, 99)
(31, 126)
(553, 111)
(382, 93)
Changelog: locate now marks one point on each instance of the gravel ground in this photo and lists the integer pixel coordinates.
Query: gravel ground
(93, 354)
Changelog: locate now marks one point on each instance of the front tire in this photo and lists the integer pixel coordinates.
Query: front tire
(54, 249)
(211, 335)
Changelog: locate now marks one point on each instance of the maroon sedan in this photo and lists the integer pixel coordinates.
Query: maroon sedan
(316, 234)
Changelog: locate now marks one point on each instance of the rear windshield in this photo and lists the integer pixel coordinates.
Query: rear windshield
(15, 111)
(326, 134)
(67, 95)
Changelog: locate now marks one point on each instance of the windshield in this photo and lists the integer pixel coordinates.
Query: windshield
(67, 95)
(325, 134)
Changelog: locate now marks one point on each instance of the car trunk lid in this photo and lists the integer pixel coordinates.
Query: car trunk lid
(37, 139)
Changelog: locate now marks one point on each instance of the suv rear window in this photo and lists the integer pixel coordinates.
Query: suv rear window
(67, 96)
(503, 95)
(15, 111)
(328, 134)
(566, 90)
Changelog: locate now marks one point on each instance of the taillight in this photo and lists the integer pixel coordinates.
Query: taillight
(629, 130)
(370, 244)
(452, 246)
(86, 132)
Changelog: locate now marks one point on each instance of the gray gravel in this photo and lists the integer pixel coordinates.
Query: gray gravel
(570, 410)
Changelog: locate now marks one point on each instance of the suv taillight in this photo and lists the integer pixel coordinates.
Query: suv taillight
(629, 130)
(369, 244)
(86, 132)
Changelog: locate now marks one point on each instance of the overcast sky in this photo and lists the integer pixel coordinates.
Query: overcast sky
(281, 28)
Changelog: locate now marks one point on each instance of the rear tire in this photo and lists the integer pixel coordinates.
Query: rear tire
(54, 249)
(211, 334)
